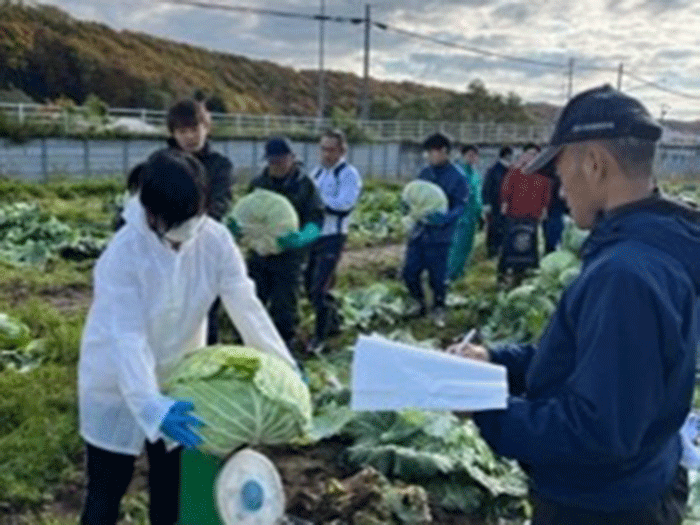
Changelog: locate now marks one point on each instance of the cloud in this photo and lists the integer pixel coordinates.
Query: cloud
(655, 39)
(658, 6)
(515, 11)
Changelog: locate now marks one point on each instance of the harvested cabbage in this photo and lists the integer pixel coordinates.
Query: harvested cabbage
(262, 217)
(556, 262)
(573, 237)
(243, 396)
(420, 198)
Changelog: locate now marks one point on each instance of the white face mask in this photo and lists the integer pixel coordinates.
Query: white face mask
(186, 231)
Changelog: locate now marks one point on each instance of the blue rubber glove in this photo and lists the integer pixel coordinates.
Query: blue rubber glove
(177, 422)
(436, 218)
(303, 237)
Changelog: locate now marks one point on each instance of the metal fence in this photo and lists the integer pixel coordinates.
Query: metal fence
(70, 120)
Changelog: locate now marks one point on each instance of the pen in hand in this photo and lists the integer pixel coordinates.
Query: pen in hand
(466, 349)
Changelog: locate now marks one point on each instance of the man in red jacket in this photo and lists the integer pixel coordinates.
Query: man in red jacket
(524, 202)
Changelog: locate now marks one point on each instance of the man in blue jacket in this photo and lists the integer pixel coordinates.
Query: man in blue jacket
(430, 241)
(596, 407)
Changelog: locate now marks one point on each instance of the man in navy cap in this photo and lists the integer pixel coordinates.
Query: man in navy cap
(596, 406)
(277, 277)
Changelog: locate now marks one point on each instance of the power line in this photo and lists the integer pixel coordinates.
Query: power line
(471, 49)
(269, 12)
(672, 91)
(427, 38)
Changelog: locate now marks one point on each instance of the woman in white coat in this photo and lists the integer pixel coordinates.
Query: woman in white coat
(152, 289)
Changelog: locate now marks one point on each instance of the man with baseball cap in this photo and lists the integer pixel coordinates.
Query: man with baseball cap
(596, 406)
(277, 276)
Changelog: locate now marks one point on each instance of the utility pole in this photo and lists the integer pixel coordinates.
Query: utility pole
(321, 70)
(364, 104)
(571, 79)
(619, 77)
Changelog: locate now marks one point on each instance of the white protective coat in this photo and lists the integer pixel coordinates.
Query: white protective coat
(149, 309)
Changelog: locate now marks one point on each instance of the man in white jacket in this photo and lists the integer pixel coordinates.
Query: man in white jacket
(152, 289)
(339, 184)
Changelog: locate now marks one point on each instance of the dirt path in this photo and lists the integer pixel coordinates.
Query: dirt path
(390, 254)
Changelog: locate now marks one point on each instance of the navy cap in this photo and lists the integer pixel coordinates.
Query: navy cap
(599, 113)
(277, 146)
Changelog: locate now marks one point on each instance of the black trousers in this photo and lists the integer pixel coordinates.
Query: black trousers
(109, 475)
(277, 279)
(494, 234)
(667, 509)
(318, 278)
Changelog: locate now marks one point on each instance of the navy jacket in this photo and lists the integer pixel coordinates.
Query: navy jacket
(595, 409)
(454, 183)
(491, 189)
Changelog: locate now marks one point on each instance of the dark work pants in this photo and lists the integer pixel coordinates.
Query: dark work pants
(494, 234)
(109, 475)
(319, 276)
(430, 256)
(553, 227)
(213, 323)
(277, 279)
(667, 509)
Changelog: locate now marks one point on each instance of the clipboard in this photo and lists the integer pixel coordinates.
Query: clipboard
(388, 375)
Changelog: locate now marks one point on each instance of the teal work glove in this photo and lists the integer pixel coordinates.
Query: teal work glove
(303, 237)
(177, 422)
(234, 228)
(436, 218)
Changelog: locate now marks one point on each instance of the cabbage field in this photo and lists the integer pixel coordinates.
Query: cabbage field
(408, 468)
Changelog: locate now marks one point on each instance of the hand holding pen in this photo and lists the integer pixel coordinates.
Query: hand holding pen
(465, 348)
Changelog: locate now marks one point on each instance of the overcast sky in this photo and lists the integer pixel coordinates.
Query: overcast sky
(654, 39)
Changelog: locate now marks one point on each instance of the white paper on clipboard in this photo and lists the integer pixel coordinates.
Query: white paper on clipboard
(387, 375)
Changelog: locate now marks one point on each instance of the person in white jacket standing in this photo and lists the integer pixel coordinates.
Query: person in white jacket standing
(153, 286)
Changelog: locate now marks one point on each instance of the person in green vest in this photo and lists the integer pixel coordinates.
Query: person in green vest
(463, 240)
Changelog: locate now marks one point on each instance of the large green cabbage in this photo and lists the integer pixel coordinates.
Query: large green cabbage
(421, 198)
(262, 217)
(573, 237)
(13, 333)
(244, 397)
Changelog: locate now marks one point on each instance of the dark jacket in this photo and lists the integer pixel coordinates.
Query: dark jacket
(492, 187)
(299, 189)
(596, 408)
(454, 183)
(220, 178)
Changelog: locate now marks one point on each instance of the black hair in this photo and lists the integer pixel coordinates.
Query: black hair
(505, 151)
(173, 186)
(469, 147)
(531, 145)
(437, 141)
(186, 114)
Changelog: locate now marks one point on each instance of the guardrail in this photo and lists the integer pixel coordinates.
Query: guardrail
(77, 119)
